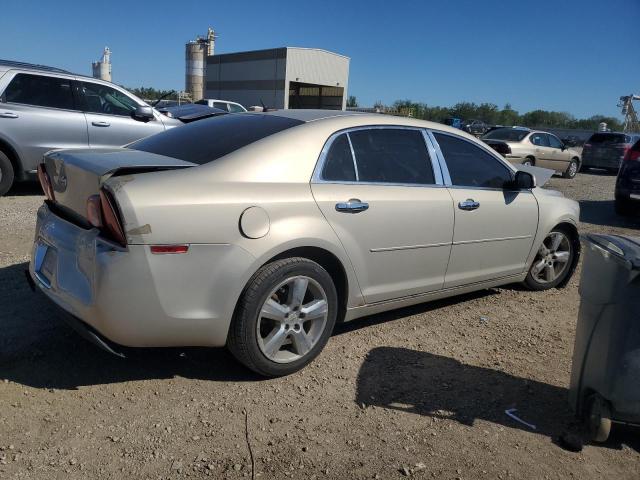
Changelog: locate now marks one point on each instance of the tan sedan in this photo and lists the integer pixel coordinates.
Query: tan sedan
(260, 231)
(532, 147)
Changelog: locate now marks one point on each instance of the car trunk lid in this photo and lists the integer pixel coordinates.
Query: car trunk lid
(75, 175)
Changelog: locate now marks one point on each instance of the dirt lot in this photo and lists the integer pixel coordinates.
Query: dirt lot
(420, 392)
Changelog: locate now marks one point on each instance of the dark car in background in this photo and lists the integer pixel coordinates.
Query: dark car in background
(476, 127)
(628, 182)
(607, 149)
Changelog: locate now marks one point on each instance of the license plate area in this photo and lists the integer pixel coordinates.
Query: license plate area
(45, 261)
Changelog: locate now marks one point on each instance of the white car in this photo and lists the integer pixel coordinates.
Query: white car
(231, 107)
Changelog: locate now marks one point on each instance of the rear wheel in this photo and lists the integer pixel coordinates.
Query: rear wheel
(571, 170)
(284, 317)
(552, 262)
(529, 162)
(6, 174)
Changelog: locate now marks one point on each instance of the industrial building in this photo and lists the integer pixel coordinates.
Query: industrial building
(287, 77)
(196, 53)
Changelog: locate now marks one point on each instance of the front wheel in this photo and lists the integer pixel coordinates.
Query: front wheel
(571, 170)
(284, 317)
(553, 261)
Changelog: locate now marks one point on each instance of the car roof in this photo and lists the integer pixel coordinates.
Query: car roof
(10, 64)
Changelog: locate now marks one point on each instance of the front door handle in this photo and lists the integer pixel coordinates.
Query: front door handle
(100, 124)
(354, 205)
(469, 204)
(8, 115)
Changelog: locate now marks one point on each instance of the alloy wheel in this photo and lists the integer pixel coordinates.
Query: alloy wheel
(553, 258)
(292, 319)
(573, 169)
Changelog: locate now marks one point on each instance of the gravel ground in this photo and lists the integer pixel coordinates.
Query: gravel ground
(418, 392)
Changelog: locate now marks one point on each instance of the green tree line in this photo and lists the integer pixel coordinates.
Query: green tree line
(493, 115)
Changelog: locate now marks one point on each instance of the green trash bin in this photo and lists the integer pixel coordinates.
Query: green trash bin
(605, 375)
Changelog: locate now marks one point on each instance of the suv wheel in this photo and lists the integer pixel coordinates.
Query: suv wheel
(553, 261)
(6, 174)
(284, 317)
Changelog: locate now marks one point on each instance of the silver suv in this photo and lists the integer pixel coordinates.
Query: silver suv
(43, 108)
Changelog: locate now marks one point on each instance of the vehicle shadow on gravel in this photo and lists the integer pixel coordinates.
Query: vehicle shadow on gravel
(23, 189)
(39, 350)
(602, 212)
(440, 387)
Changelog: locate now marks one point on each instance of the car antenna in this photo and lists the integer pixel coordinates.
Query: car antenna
(170, 92)
(264, 108)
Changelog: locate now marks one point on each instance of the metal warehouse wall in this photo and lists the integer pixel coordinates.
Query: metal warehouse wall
(319, 67)
(248, 77)
(259, 76)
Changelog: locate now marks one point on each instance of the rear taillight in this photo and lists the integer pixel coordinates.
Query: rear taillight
(632, 155)
(45, 182)
(102, 213)
(94, 211)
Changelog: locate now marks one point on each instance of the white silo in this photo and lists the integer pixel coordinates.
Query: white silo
(102, 68)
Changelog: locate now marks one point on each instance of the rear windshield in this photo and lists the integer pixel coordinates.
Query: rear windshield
(509, 134)
(207, 140)
(609, 138)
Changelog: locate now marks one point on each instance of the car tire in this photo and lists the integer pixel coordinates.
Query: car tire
(269, 333)
(7, 174)
(572, 169)
(529, 161)
(598, 418)
(551, 256)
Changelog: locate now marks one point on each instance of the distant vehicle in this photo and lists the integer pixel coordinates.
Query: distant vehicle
(607, 149)
(475, 127)
(190, 112)
(43, 108)
(453, 122)
(572, 140)
(231, 107)
(262, 231)
(627, 191)
(532, 147)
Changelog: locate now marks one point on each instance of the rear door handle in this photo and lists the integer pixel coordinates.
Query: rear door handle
(8, 115)
(469, 204)
(354, 205)
(100, 124)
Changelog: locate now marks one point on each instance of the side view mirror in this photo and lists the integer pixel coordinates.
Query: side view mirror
(143, 113)
(524, 180)
(564, 147)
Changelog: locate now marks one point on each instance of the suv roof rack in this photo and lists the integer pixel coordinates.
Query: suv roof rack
(31, 66)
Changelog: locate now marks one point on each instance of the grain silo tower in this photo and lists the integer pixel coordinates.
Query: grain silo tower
(196, 55)
(102, 68)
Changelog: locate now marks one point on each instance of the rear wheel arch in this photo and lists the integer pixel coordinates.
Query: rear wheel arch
(531, 158)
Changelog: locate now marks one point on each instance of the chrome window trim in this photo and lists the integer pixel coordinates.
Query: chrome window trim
(353, 157)
(317, 173)
(445, 170)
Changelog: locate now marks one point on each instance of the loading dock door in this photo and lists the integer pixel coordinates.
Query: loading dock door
(307, 95)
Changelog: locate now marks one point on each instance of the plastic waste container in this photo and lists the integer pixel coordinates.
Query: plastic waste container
(605, 375)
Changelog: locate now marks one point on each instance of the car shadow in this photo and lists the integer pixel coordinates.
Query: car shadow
(23, 189)
(440, 387)
(602, 212)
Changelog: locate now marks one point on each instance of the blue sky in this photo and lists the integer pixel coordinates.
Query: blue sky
(577, 56)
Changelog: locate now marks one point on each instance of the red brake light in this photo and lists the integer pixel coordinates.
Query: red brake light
(112, 226)
(633, 155)
(45, 182)
(160, 249)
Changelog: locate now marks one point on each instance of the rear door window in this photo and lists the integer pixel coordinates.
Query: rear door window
(338, 164)
(41, 91)
(392, 155)
(471, 166)
(554, 142)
